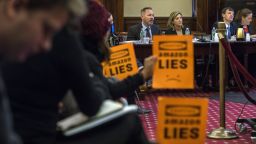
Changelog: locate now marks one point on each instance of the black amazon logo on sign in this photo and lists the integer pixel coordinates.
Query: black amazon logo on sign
(173, 46)
(119, 54)
(183, 110)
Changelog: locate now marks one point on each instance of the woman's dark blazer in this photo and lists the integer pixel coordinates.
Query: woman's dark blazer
(171, 31)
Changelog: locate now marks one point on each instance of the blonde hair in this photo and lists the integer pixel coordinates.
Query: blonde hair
(172, 16)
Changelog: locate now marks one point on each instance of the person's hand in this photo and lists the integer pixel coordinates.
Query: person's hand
(149, 63)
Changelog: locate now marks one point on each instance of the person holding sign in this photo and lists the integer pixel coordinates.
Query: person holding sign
(175, 24)
(146, 28)
(93, 35)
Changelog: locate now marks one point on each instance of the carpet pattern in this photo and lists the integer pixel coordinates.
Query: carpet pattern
(233, 110)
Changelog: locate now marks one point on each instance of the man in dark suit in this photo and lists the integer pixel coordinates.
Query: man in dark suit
(227, 17)
(147, 26)
(148, 29)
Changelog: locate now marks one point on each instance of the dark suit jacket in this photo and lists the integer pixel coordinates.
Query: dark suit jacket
(173, 32)
(233, 27)
(134, 31)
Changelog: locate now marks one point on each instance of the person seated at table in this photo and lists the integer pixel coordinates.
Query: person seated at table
(227, 14)
(93, 35)
(175, 24)
(146, 26)
(243, 20)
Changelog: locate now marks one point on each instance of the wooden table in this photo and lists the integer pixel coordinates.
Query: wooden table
(205, 50)
(202, 48)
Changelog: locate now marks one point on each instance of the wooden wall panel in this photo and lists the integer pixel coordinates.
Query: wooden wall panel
(207, 12)
(116, 8)
(202, 11)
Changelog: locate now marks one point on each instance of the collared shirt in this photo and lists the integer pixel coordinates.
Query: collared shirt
(145, 31)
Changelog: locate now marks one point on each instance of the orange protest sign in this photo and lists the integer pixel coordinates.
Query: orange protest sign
(175, 66)
(181, 120)
(122, 62)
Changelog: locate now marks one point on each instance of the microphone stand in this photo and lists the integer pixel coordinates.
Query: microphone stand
(201, 33)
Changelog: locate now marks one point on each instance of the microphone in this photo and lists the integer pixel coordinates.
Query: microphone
(201, 34)
(199, 26)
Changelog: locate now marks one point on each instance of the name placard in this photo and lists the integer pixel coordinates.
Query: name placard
(175, 66)
(122, 62)
(182, 120)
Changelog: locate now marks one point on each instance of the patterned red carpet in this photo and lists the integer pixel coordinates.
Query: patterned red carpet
(233, 110)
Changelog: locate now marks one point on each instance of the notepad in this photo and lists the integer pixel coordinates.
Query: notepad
(79, 122)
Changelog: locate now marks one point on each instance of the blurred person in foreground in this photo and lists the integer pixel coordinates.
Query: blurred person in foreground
(26, 28)
(42, 82)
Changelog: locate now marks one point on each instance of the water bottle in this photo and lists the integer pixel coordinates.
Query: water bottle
(213, 33)
(113, 39)
(247, 37)
(216, 38)
(187, 31)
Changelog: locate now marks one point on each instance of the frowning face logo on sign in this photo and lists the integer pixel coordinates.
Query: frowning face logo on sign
(175, 64)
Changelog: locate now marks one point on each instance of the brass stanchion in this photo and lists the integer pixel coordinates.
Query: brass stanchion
(222, 132)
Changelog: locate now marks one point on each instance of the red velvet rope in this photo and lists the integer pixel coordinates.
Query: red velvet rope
(237, 66)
